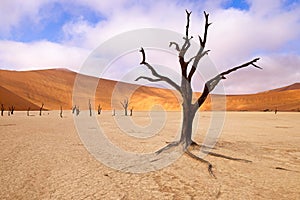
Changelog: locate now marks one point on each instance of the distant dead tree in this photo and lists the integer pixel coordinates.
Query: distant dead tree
(9, 111)
(131, 109)
(189, 107)
(73, 109)
(125, 104)
(99, 109)
(2, 109)
(28, 111)
(276, 111)
(12, 110)
(90, 107)
(61, 112)
(41, 108)
(77, 110)
(113, 112)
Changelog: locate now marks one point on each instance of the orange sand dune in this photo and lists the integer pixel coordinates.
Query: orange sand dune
(54, 88)
(10, 99)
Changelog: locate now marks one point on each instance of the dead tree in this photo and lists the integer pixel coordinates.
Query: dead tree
(188, 68)
(12, 110)
(77, 110)
(61, 112)
(113, 112)
(9, 111)
(2, 109)
(90, 107)
(28, 111)
(131, 109)
(73, 109)
(41, 108)
(99, 109)
(125, 104)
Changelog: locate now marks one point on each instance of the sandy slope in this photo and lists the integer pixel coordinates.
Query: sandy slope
(54, 88)
(42, 157)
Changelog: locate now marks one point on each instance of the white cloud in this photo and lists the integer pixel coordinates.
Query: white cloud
(40, 55)
(12, 12)
(235, 36)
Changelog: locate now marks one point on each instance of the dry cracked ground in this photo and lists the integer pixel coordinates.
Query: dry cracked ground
(43, 157)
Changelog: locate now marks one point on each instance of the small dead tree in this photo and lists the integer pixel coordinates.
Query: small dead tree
(90, 107)
(12, 110)
(77, 110)
(2, 109)
(188, 106)
(125, 104)
(41, 108)
(131, 109)
(73, 109)
(28, 111)
(9, 111)
(61, 112)
(99, 109)
(113, 112)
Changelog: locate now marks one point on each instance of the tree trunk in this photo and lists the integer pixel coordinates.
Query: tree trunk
(41, 109)
(61, 112)
(187, 124)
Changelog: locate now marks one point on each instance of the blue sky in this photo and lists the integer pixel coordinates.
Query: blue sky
(38, 34)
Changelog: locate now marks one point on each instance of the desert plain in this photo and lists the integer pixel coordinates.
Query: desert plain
(43, 157)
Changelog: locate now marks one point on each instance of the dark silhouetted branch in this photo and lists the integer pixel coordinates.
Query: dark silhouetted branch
(212, 83)
(176, 46)
(154, 73)
(201, 51)
(188, 14)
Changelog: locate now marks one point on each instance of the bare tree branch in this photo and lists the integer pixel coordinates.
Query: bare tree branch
(212, 83)
(144, 56)
(200, 52)
(202, 43)
(185, 46)
(176, 46)
(188, 14)
(193, 69)
(148, 79)
(154, 73)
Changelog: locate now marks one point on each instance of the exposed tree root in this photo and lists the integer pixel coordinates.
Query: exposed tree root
(201, 160)
(227, 157)
(194, 145)
(217, 154)
(170, 145)
(281, 168)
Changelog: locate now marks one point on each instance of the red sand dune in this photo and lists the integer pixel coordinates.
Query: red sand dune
(54, 88)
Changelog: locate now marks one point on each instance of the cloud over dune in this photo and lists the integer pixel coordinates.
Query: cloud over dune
(267, 29)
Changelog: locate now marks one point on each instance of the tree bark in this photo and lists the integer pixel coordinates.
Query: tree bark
(186, 129)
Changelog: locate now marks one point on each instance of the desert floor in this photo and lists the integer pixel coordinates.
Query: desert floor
(43, 157)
